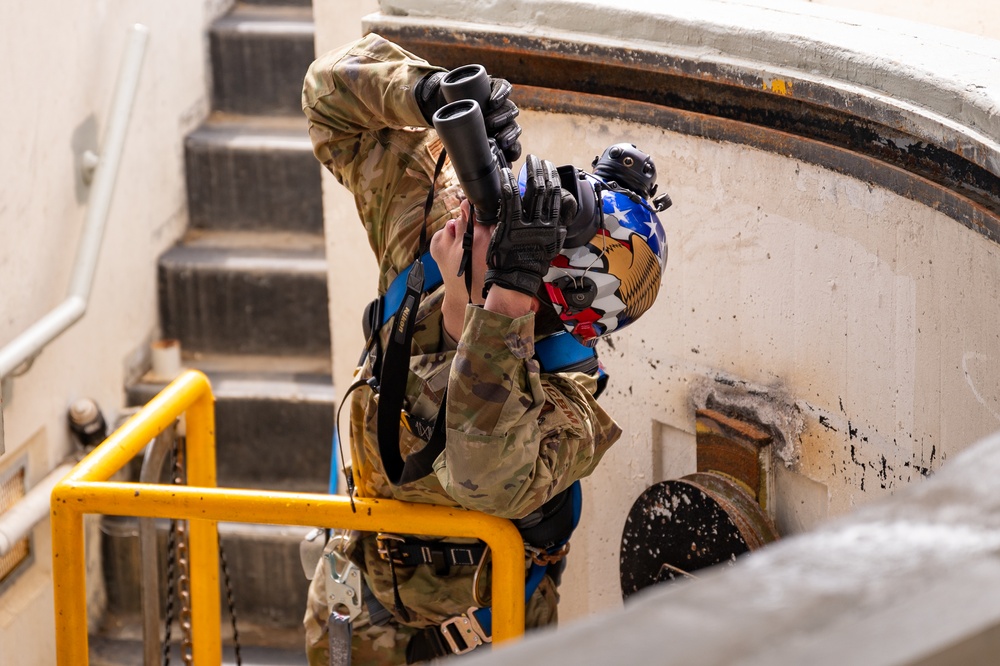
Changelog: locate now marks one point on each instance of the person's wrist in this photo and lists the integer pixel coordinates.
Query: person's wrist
(509, 302)
(520, 280)
(427, 94)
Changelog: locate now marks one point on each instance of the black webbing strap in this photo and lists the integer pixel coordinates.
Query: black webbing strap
(396, 359)
(427, 644)
(395, 370)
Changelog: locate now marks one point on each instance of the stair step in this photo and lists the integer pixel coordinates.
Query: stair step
(273, 419)
(253, 174)
(269, 297)
(259, 57)
(266, 577)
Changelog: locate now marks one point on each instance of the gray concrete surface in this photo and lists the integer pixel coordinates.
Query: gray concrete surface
(945, 85)
(909, 580)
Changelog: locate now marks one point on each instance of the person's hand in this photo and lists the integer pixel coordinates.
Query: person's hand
(529, 233)
(499, 116)
(446, 249)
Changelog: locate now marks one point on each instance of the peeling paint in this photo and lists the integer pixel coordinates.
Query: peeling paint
(771, 406)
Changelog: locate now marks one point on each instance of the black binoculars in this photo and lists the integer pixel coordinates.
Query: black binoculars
(477, 160)
(460, 125)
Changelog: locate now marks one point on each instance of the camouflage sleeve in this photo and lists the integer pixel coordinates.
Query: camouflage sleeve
(360, 88)
(515, 437)
(367, 129)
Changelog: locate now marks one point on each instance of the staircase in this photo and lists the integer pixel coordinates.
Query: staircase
(245, 291)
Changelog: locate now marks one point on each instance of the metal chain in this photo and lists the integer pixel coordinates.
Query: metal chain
(177, 558)
(184, 593)
(169, 619)
(183, 578)
(230, 601)
(177, 549)
(171, 590)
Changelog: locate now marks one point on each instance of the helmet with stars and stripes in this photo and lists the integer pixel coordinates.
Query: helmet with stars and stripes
(609, 269)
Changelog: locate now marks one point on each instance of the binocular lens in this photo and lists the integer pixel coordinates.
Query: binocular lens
(461, 129)
(467, 82)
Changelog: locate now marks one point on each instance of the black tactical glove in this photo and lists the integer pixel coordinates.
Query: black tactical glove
(429, 96)
(500, 119)
(529, 233)
(499, 116)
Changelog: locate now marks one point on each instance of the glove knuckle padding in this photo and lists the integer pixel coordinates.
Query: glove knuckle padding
(500, 90)
(529, 233)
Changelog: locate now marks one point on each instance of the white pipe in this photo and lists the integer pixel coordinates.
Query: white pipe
(27, 345)
(43, 331)
(18, 521)
(107, 168)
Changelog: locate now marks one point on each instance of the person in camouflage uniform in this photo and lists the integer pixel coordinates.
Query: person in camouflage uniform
(516, 437)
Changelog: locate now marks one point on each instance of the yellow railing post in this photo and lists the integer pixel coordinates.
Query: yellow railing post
(206, 607)
(69, 575)
(87, 490)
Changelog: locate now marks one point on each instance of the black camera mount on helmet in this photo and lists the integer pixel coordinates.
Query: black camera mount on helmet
(625, 168)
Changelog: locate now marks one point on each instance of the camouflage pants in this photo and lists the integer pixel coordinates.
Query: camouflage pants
(386, 645)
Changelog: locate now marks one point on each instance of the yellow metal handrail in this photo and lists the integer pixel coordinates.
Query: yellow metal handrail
(87, 489)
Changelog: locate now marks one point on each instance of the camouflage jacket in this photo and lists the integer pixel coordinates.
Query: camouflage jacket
(515, 436)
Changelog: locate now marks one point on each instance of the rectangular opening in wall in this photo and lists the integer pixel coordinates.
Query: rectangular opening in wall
(12, 490)
(674, 452)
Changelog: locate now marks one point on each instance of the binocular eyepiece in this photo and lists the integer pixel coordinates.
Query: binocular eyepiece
(462, 130)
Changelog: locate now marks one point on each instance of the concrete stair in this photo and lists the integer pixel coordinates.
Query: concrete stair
(247, 173)
(245, 291)
(262, 52)
(273, 416)
(267, 296)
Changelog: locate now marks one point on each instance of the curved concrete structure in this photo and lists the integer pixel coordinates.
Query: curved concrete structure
(833, 243)
(903, 581)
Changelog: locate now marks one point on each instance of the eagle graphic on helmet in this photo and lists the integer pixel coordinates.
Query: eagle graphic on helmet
(606, 278)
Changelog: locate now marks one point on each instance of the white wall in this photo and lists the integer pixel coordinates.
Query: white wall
(60, 63)
(844, 303)
(979, 17)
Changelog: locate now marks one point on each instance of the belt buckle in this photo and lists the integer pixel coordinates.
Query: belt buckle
(467, 628)
(387, 544)
(467, 560)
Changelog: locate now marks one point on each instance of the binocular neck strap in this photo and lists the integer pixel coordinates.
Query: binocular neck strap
(467, 239)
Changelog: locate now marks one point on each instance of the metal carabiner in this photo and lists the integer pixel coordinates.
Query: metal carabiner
(343, 583)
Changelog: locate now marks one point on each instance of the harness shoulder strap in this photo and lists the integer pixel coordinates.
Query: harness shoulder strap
(397, 289)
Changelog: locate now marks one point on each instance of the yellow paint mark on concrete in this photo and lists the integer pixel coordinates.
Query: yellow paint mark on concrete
(779, 86)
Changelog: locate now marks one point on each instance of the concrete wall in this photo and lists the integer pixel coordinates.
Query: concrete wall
(842, 312)
(979, 17)
(61, 61)
(850, 316)
(899, 582)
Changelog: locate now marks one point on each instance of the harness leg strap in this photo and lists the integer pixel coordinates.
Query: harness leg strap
(339, 634)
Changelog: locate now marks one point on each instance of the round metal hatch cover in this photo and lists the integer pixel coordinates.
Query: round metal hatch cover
(679, 526)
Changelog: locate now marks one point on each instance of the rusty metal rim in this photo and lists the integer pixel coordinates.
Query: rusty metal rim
(753, 524)
(849, 136)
